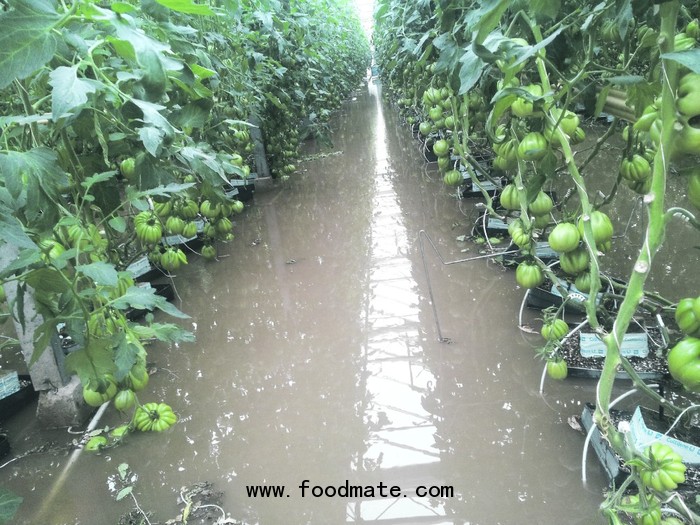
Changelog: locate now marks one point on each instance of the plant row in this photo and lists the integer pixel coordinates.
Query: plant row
(129, 128)
(497, 91)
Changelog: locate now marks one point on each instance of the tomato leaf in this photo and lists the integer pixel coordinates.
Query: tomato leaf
(125, 356)
(118, 224)
(38, 173)
(152, 138)
(13, 233)
(486, 18)
(101, 272)
(123, 493)
(42, 338)
(92, 365)
(9, 503)
(689, 58)
(545, 8)
(624, 16)
(202, 72)
(122, 7)
(69, 91)
(123, 469)
(166, 332)
(193, 115)
(523, 53)
(640, 95)
(470, 72)
(25, 258)
(27, 42)
(145, 298)
(89, 182)
(48, 280)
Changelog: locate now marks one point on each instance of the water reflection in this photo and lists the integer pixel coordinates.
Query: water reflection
(401, 446)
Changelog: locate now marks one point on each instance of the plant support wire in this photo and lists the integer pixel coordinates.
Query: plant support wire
(421, 235)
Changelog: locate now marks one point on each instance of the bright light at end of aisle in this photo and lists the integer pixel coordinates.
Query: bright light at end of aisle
(365, 9)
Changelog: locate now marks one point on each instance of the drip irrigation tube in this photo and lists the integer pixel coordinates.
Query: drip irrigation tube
(60, 481)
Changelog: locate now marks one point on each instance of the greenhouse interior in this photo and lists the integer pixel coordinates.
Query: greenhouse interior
(319, 262)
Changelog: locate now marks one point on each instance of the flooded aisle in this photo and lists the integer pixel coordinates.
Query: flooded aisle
(317, 368)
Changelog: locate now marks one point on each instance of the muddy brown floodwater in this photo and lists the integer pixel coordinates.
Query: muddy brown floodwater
(317, 359)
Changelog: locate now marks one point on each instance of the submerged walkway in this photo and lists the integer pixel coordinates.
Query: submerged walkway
(317, 359)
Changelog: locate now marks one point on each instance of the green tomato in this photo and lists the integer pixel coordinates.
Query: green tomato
(583, 282)
(443, 163)
(127, 167)
(425, 128)
(684, 363)
(175, 225)
(663, 468)
(692, 30)
(441, 148)
(187, 209)
(687, 140)
(119, 432)
(189, 230)
(509, 197)
(533, 146)
(578, 136)
(635, 169)
(223, 225)
(138, 377)
(555, 331)
(687, 316)
(453, 178)
(601, 225)
(237, 206)
(565, 237)
(155, 417)
(209, 210)
(529, 275)
(93, 397)
(647, 514)
(574, 262)
(435, 113)
(641, 187)
(208, 252)
(517, 232)
(521, 107)
(542, 204)
(557, 369)
(124, 400)
(96, 443)
(568, 120)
